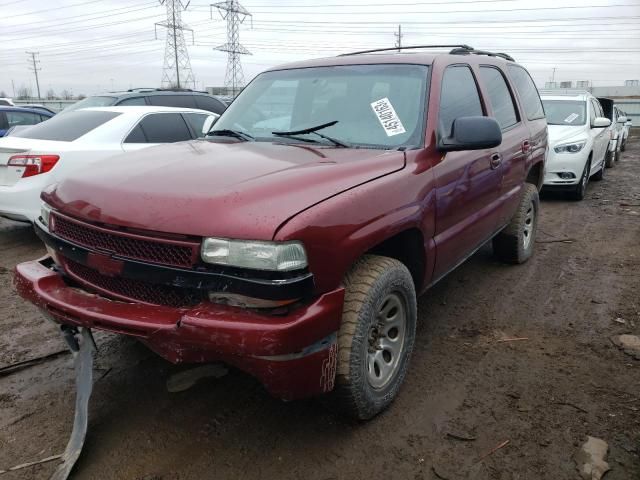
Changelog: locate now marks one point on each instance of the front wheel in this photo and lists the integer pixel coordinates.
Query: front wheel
(578, 193)
(599, 175)
(515, 243)
(376, 336)
(610, 159)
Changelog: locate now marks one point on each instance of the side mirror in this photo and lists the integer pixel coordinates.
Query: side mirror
(471, 133)
(622, 119)
(601, 122)
(209, 122)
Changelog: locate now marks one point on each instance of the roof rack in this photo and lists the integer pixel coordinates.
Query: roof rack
(466, 50)
(411, 47)
(563, 91)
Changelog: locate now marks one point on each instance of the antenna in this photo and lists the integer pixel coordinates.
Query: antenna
(234, 14)
(176, 71)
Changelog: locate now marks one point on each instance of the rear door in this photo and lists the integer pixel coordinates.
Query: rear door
(601, 135)
(468, 182)
(515, 134)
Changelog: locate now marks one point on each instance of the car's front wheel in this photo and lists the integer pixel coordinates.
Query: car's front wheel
(376, 336)
(580, 189)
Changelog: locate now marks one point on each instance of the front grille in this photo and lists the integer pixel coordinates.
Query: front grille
(132, 290)
(161, 251)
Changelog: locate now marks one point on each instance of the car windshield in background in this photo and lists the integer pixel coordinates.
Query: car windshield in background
(67, 128)
(377, 106)
(565, 112)
(92, 102)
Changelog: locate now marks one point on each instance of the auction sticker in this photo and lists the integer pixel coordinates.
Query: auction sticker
(571, 118)
(388, 117)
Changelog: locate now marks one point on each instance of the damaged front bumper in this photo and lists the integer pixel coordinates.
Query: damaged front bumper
(293, 355)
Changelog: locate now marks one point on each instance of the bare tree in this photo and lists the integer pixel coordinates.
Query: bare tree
(51, 94)
(81, 96)
(66, 95)
(24, 93)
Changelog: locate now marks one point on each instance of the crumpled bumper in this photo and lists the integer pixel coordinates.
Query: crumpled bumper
(293, 355)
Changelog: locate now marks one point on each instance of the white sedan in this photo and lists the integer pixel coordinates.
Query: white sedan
(43, 154)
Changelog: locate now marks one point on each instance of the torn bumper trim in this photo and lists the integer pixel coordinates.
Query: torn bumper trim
(205, 332)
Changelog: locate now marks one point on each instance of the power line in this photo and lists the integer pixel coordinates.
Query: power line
(176, 56)
(235, 14)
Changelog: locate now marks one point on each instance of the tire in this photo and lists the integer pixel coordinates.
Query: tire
(617, 156)
(577, 194)
(623, 147)
(376, 287)
(516, 242)
(609, 159)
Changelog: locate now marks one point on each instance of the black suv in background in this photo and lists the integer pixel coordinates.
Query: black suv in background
(154, 96)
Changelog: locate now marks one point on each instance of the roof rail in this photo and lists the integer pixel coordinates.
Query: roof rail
(563, 91)
(466, 50)
(411, 47)
(142, 89)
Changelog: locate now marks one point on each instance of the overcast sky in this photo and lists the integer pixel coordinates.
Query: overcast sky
(99, 45)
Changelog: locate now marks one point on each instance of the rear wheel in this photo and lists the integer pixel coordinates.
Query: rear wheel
(376, 336)
(515, 243)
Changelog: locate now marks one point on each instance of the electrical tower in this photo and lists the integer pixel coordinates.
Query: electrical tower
(234, 14)
(176, 72)
(35, 69)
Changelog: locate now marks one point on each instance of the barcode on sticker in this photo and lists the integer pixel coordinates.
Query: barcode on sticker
(388, 117)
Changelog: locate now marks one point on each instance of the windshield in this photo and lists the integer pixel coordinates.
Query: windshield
(92, 102)
(377, 106)
(565, 112)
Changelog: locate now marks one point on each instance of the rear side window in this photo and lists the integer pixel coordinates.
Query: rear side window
(210, 104)
(528, 92)
(132, 101)
(459, 96)
(68, 127)
(22, 118)
(182, 101)
(164, 128)
(499, 97)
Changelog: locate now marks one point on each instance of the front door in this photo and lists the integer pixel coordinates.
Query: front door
(468, 182)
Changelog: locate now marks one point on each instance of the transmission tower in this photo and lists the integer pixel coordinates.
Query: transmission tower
(35, 69)
(177, 66)
(399, 38)
(234, 14)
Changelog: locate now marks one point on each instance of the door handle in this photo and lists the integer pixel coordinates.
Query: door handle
(496, 160)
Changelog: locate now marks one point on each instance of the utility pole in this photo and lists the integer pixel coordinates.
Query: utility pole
(176, 71)
(399, 37)
(35, 69)
(234, 14)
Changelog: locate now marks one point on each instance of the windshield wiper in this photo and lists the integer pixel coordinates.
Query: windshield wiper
(247, 137)
(314, 130)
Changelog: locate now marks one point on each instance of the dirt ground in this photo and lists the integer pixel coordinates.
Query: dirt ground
(543, 394)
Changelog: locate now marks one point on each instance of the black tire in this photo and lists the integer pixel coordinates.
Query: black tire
(617, 156)
(516, 242)
(369, 284)
(579, 191)
(623, 147)
(609, 159)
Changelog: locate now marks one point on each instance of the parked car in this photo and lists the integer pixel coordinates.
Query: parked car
(297, 255)
(578, 141)
(34, 158)
(615, 130)
(6, 102)
(19, 116)
(153, 96)
(627, 130)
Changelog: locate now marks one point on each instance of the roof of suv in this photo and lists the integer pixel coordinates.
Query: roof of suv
(135, 109)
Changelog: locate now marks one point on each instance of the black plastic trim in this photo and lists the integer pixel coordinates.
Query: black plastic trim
(284, 288)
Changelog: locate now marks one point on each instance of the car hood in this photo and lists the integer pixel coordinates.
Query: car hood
(238, 189)
(564, 133)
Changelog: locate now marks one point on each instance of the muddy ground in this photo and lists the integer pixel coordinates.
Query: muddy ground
(543, 394)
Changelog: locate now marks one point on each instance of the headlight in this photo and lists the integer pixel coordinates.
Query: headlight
(45, 212)
(257, 255)
(574, 147)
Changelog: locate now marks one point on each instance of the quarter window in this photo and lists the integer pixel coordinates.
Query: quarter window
(164, 128)
(459, 96)
(132, 101)
(527, 91)
(500, 98)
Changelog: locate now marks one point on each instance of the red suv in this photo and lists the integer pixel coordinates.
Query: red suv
(292, 242)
